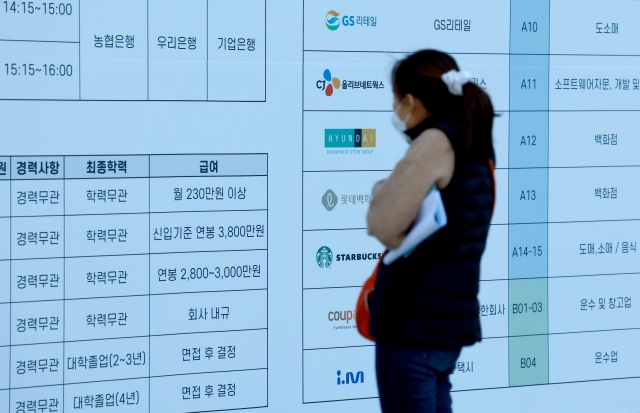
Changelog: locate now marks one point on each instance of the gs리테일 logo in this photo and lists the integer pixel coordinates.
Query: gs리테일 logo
(332, 20)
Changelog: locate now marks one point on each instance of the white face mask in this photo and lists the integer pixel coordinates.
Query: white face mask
(401, 124)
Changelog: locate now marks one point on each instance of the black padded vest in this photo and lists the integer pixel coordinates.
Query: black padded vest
(430, 298)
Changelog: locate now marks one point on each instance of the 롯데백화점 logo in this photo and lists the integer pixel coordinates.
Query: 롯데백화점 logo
(332, 20)
(350, 378)
(329, 200)
(329, 83)
(324, 257)
(350, 138)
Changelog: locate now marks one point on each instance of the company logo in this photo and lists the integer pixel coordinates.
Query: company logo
(331, 20)
(324, 257)
(328, 83)
(350, 378)
(329, 200)
(349, 138)
(347, 316)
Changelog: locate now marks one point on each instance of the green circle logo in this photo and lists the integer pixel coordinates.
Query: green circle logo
(324, 257)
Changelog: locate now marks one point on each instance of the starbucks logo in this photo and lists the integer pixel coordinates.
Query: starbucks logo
(324, 257)
(329, 200)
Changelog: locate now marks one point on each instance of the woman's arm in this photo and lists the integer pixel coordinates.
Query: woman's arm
(430, 160)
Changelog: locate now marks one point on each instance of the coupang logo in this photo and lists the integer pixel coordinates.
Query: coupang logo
(332, 20)
(328, 83)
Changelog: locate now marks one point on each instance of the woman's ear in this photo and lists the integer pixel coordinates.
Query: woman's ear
(410, 100)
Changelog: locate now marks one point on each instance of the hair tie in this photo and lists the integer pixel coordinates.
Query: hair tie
(455, 80)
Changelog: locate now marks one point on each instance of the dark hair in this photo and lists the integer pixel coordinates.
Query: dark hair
(472, 114)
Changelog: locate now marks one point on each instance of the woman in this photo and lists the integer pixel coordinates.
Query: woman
(425, 307)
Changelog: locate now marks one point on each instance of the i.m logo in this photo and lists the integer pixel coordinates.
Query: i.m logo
(350, 378)
(349, 138)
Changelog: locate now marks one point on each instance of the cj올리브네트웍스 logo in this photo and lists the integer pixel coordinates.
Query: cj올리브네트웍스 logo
(329, 83)
(324, 257)
(333, 20)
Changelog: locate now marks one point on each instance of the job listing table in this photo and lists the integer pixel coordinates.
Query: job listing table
(559, 278)
(200, 50)
(133, 281)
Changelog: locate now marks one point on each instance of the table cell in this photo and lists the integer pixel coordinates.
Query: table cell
(208, 231)
(501, 139)
(494, 300)
(237, 50)
(595, 194)
(528, 307)
(339, 374)
(33, 70)
(37, 167)
(5, 240)
(119, 275)
(593, 356)
(5, 281)
(106, 196)
(204, 312)
(593, 303)
(34, 323)
(102, 360)
(209, 392)
(99, 318)
(528, 360)
(527, 251)
(49, 397)
(494, 264)
(606, 138)
(37, 237)
(208, 165)
(37, 365)
(529, 27)
(5, 195)
(501, 206)
(5, 168)
(93, 235)
(178, 50)
(208, 271)
(37, 197)
(529, 82)
(590, 248)
(329, 318)
(106, 166)
(209, 352)
(35, 21)
(596, 30)
(37, 280)
(338, 258)
(5, 324)
(338, 200)
(113, 50)
(463, 27)
(129, 396)
(5, 367)
(482, 366)
(528, 195)
(594, 83)
(529, 140)
(208, 194)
